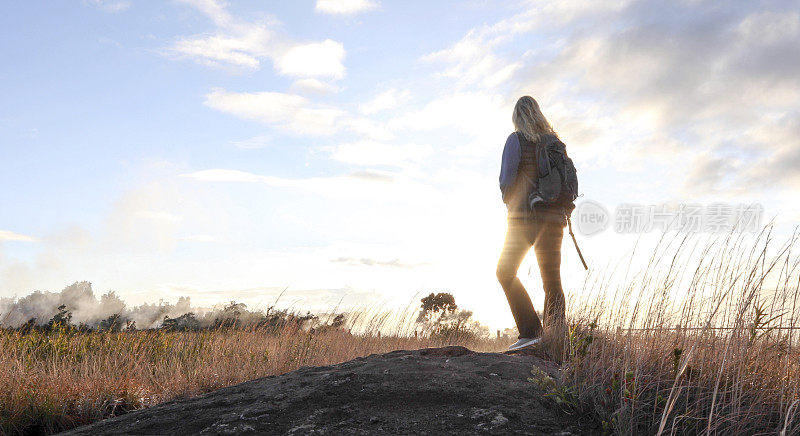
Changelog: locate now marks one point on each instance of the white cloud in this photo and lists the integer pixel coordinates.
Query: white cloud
(629, 85)
(344, 7)
(294, 113)
(244, 44)
(320, 59)
(473, 59)
(694, 87)
(313, 87)
(373, 175)
(468, 112)
(386, 100)
(770, 27)
(222, 50)
(289, 111)
(235, 43)
(6, 235)
(487, 69)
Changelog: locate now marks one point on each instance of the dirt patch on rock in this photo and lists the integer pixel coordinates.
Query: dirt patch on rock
(450, 390)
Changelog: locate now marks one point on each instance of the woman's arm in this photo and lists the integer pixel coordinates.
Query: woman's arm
(510, 164)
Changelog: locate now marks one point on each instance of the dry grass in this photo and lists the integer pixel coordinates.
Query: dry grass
(701, 341)
(58, 380)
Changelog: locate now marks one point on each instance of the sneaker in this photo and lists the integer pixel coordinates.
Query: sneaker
(524, 343)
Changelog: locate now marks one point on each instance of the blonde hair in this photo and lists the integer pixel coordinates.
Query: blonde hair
(529, 120)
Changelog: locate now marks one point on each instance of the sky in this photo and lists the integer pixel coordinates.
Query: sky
(349, 150)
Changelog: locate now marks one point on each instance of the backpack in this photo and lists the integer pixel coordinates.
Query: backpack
(557, 177)
(557, 183)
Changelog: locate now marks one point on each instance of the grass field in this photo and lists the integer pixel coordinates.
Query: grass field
(60, 379)
(699, 341)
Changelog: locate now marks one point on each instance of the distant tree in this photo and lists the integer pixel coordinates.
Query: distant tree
(234, 309)
(440, 317)
(185, 322)
(63, 318)
(111, 324)
(441, 302)
(435, 307)
(230, 316)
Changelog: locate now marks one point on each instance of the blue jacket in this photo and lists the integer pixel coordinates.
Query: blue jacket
(512, 153)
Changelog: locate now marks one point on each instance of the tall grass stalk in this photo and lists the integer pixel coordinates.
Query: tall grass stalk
(702, 340)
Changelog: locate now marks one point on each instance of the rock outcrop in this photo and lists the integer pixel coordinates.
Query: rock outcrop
(434, 391)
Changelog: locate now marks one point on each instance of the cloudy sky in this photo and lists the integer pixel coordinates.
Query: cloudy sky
(350, 149)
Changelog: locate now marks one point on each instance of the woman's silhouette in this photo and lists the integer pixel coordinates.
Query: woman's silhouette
(542, 227)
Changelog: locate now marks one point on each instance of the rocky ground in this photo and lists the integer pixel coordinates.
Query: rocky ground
(449, 390)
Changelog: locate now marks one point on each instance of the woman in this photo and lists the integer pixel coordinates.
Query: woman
(542, 227)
